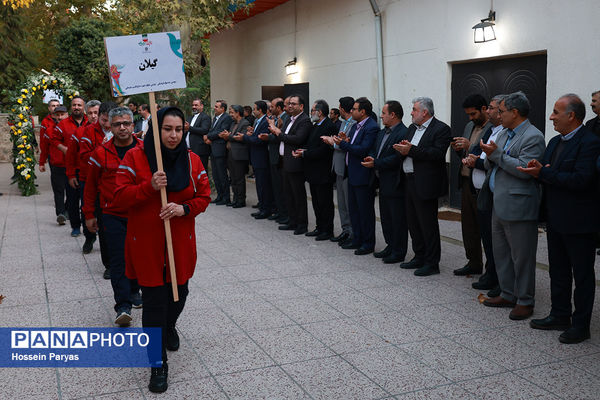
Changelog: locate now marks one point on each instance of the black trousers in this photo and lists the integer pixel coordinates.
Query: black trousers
(361, 206)
(160, 311)
(238, 170)
(422, 218)
(277, 184)
(220, 177)
(88, 235)
(204, 158)
(58, 181)
(485, 229)
(322, 202)
(264, 192)
(572, 256)
(102, 235)
(116, 230)
(393, 223)
(469, 224)
(74, 206)
(295, 198)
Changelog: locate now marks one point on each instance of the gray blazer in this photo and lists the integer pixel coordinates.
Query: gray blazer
(338, 164)
(238, 150)
(516, 194)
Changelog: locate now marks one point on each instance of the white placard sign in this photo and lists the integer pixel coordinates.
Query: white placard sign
(145, 63)
(51, 95)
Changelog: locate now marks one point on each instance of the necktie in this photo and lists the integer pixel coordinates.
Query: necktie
(492, 182)
(385, 138)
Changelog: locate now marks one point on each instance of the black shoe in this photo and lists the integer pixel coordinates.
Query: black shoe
(393, 259)
(551, 323)
(346, 242)
(283, 221)
(467, 270)
(341, 237)
(574, 335)
(239, 205)
(262, 216)
(323, 236)
(485, 283)
(274, 217)
(255, 205)
(172, 339)
(254, 214)
(350, 246)
(230, 204)
(218, 199)
(88, 245)
(301, 230)
(61, 219)
(106, 274)
(383, 253)
(427, 270)
(159, 378)
(287, 227)
(495, 292)
(221, 202)
(361, 251)
(412, 264)
(312, 233)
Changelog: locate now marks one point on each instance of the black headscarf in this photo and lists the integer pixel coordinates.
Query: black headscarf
(176, 161)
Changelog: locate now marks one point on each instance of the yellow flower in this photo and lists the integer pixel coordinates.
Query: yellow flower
(24, 96)
(27, 176)
(28, 159)
(45, 86)
(43, 81)
(20, 101)
(27, 108)
(22, 152)
(54, 82)
(33, 88)
(24, 137)
(21, 116)
(70, 96)
(28, 146)
(19, 131)
(20, 146)
(24, 90)
(19, 124)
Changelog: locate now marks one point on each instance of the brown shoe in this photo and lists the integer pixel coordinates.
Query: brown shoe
(498, 301)
(521, 312)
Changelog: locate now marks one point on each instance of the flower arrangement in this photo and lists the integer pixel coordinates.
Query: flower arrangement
(21, 123)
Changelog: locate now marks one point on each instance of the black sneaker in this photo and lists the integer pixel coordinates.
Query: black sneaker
(159, 378)
(106, 274)
(61, 219)
(123, 318)
(136, 300)
(88, 245)
(172, 339)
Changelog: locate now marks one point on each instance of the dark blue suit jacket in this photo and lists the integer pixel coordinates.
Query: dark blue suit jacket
(259, 151)
(357, 151)
(389, 163)
(571, 184)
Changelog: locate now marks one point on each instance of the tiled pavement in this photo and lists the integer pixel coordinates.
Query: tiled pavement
(276, 316)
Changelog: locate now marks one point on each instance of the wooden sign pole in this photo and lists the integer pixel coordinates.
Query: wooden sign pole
(163, 196)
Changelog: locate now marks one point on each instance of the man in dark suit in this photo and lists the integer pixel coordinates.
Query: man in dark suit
(218, 152)
(237, 155)
(317, 170)
(570, 181)
(259, 157)
(593, 124)
(424, 164)
(293, 136)
(475, 107)
(196, 128)
(277, 112)
(388, 176)
(334, 116)
(361, 196)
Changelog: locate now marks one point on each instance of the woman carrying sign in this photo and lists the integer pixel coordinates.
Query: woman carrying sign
(188, 191)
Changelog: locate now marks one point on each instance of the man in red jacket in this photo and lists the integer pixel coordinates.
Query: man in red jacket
(74, 170)
(93, 136)
(102, 169)
(59, 140)
(56, 160)
(46, 127)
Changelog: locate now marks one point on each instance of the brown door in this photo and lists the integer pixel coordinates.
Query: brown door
(490, 78)
(271, 92)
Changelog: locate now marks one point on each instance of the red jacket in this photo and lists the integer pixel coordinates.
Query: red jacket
(46, 127)
(145, 245)
(72, 157)
(101, 178)
(62, 135)
(92, 137)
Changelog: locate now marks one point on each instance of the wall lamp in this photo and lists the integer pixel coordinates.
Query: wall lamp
(291, 67)
(484, 31)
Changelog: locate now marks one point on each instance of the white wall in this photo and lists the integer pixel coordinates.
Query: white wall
(335, 46)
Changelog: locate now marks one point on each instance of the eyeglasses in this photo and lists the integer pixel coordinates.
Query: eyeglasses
(291, 103)
(126, 124)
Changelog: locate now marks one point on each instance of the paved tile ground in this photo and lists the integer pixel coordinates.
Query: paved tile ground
(272, 315)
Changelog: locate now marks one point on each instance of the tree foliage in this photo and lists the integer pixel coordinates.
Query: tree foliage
(80, 53)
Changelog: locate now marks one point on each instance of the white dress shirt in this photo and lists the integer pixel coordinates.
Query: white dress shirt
(287, 130)
(192, 122)
(407, 165)
(478, 176)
